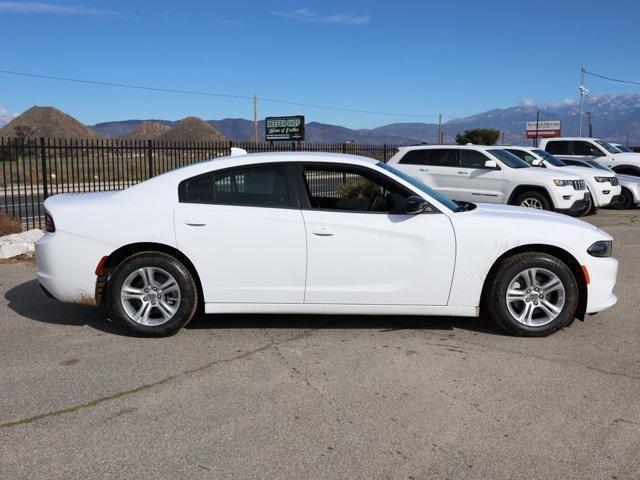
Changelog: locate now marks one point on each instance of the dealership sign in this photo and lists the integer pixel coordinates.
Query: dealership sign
(284, 128)
(543, 128)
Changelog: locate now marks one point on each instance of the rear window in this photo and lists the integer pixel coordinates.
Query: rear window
(415, 157)
(557, 147)
(443, 157)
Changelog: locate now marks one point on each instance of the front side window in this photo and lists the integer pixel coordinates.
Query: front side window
(607, 146)
(472, 159)
(255, 186)
(522, 155)
(556, 162)
(443, 157)
(509, 159)
(558, 147)
(352, 189)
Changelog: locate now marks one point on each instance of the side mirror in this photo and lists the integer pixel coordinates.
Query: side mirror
(491, 164)
(536, 162)
(415, 205)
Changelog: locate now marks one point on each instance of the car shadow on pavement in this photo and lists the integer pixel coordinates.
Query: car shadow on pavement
(29, 301)
(384, 323)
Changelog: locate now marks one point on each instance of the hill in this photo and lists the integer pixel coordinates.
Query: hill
(192, 129)
(147, 130)
(47, 122)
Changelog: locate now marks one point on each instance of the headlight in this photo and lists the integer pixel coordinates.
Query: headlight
(601, 249)
(563, 183)
(602, 179)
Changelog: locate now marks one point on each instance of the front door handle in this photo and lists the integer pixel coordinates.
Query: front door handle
(322, 232)
(424, 169)
(463, 173)
(195, 223)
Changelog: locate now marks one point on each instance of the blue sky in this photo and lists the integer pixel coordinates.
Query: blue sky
(412, 57)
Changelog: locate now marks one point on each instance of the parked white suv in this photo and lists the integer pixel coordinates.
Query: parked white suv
(477, 173)
(627, 163)
(604, 188)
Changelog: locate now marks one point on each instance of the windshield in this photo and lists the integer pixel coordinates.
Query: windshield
(607, 147)
(624, 148)
(443, 199)
(509, 159)
(595, 164)
(555, 161)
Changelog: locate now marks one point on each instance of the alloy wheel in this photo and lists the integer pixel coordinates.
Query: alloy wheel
(150, 296)
(535, 297)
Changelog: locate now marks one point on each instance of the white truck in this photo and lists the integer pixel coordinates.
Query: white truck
(604, 188)
(627, 163)
(484, 174)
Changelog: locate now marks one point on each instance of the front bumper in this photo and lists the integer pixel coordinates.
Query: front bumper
(577, 207)
(602, 273)
(605, 194)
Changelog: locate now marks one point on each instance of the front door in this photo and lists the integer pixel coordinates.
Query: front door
(362, 250)
(475, 182)
(244, 235)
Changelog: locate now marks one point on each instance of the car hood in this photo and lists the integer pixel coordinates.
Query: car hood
(551, 174)
(587, 171)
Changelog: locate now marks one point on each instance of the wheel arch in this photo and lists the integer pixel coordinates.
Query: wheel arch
(126, 251)
(520, 189)
(627, 170)
(558, 252)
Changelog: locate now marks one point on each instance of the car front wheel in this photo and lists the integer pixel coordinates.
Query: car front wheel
(532, 294)
(533, 200)
(152, 294)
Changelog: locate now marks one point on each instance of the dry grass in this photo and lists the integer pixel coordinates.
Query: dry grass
(9, 225)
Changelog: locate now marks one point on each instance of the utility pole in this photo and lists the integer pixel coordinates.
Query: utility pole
(582, 90)
(440, 129)
(255, 118)
(535, 142)
(589, 123)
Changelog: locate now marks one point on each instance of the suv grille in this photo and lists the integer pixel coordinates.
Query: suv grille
(615, 181)
(579, 184)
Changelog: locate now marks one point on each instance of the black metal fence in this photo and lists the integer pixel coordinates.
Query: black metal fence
(32, 169)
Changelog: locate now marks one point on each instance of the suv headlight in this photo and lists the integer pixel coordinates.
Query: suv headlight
(601, 249)
(601, 179)
(563, 183)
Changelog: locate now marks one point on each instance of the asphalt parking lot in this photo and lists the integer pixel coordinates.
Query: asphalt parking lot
(299, 397)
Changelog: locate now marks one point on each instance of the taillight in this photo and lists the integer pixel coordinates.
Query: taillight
(48, 221)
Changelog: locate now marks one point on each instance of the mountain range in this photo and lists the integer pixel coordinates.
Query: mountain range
(614, 117)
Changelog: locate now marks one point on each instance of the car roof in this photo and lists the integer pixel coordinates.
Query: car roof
(468, 147)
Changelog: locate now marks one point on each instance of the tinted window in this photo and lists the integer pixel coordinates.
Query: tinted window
(608, 147)
(258, 186)
(556, 162)
(522, 155)
(443, 157)
(575, 163)
(558, 147)
(352, 189)
(509, 159)
(585, 148)
(472, 159)
(415, 157)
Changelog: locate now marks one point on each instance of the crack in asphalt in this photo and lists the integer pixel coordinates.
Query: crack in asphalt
(123, 393)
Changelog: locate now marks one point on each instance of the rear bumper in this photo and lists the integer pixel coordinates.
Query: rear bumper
(66, 266)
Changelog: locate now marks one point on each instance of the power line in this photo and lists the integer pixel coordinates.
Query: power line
(612, 79)
(210, 94)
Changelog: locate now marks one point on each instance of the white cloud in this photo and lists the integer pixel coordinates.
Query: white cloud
(49, 9)
(5, 116)
(528, 102)
(306, 15)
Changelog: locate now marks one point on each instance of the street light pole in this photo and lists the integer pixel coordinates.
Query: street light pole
(589, 123)
(581, 96)
(255, 118)
(440, 128)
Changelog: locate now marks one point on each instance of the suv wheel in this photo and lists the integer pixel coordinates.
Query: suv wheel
(624, 201)
(533, 200)
(532, 294)
(152, 294)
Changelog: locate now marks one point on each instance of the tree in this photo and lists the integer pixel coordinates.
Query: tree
(23, 131)
(478, 136)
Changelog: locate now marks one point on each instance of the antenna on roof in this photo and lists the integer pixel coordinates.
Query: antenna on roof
(238, 152)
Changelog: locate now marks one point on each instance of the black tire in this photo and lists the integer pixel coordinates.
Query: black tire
(508, 270)
(535, 197)
(188, 294)
(624, 201)
(588, 208)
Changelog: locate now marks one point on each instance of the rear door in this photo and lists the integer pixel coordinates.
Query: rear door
(443, 165)
(476, 183)
(243, 231)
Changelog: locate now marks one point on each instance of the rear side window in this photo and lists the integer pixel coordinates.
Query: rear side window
(443, 157)
(415, 157)
(585, 148)
(256, 186)
(472, 159)
(558, 147)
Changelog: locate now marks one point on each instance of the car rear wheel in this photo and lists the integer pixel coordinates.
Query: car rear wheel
(533, 200)
(532, 294)
(152, 294)
(624, 201)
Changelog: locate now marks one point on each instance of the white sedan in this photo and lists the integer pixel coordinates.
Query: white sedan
(317, 233)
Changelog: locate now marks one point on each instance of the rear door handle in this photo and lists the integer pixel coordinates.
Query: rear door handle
(424, 169)
(195, 223)
(462, 172)
(322, 232)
